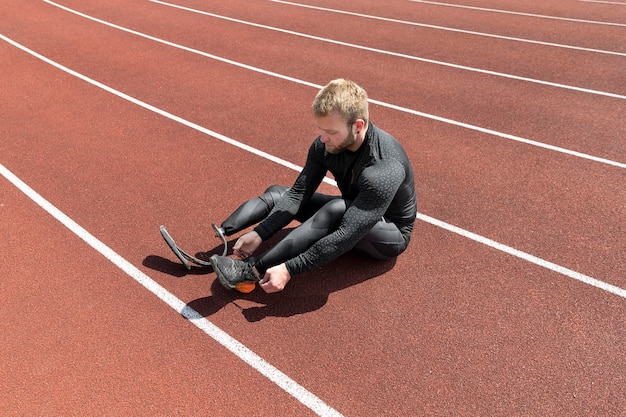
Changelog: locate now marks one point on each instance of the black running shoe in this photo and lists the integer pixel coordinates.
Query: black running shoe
(234, 274)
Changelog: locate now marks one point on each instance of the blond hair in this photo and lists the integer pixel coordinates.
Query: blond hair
(344, 97)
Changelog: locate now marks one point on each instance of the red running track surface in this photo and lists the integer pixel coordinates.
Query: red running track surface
(515, 124)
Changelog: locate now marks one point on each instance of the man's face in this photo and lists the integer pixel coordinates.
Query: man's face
(335, 133)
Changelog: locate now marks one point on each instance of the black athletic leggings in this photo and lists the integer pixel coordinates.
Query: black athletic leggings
(319, 217)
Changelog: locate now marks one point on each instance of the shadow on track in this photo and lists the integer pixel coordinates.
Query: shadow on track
(172, 268)
(305, 292)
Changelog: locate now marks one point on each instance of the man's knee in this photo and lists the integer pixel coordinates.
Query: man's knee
(383, 242)
(335, 207)
(272, 194)
(330, 213)
(272, 189)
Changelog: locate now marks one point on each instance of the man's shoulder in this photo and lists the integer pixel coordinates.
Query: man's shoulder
(317, 144)
(383, 145)
(317, 149)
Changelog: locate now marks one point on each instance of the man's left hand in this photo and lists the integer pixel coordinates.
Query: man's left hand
(275, 279)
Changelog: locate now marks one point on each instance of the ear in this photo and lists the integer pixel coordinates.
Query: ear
(359, 124)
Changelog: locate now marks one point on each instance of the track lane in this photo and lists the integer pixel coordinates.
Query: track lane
(598, 32)
(553, 13)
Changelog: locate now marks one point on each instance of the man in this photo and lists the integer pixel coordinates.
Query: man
(375, 213)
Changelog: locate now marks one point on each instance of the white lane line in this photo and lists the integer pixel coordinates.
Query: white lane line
(480, 239)
(380, 103)
(604, 2)
(237, 348)
(396, 54)
(467, 32)
(526, 256)
(542, 16)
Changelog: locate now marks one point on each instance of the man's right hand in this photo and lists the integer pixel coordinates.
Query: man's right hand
(247, 244)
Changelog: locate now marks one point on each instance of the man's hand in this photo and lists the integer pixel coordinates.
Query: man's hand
(275, 279)
(247, 244)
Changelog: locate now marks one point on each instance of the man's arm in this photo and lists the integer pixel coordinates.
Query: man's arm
(303, 188)
(377, 188)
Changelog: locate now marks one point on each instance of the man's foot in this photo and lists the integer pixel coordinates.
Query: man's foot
(234, 274)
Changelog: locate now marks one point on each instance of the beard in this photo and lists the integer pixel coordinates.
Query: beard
(348, 141)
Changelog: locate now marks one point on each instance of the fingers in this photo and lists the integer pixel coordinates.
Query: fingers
(246, 245)
(267, 286)
(239, 248)
(241, 253)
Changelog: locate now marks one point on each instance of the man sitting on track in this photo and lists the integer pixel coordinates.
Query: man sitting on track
(375, 213)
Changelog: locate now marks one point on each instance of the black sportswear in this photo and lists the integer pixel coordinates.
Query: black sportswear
(376, 181)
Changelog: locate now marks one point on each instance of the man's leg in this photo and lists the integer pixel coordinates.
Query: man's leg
(256, 209)
(253, 211)
(240, 275)
(383, 242)
(320, 224)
